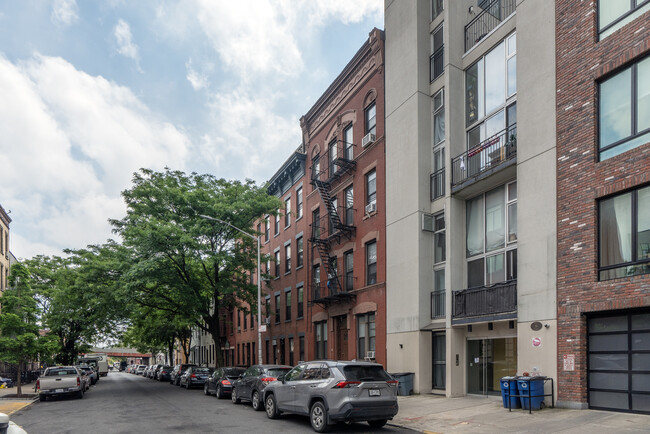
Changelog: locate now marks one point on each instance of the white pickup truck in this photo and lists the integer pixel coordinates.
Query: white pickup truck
(60, 380)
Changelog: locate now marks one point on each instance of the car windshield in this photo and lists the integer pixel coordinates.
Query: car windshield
(60, 371)
(202, 370)
(276, 372)
(365, 373)
(233, 372)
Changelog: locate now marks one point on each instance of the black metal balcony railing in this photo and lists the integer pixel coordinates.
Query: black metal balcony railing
(487, 155)
(485, 300)
(491, 15)
(438, 304)
(328, 291)
(438, 184)
(437, 63)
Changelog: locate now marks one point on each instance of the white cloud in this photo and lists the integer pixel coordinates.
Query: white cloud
(198, 80)
(64, 12)
(124, 39)
(69, 143)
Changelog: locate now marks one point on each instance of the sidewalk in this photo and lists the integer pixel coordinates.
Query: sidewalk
(437, 414)
(11, 405)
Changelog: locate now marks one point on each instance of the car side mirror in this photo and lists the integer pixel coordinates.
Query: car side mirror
(281, 377)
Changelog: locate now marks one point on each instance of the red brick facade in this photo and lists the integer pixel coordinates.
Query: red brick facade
(582, 61)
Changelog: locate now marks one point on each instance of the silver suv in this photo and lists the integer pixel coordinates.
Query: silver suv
(330, 392)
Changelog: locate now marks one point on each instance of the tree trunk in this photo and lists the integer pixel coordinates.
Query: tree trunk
(19, 386)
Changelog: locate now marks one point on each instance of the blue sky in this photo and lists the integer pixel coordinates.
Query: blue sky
(94, 90)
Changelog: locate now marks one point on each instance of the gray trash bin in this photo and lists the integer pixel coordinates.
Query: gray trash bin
(405, 383)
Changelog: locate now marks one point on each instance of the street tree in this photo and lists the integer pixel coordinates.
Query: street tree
(182, 263)
(20, 337)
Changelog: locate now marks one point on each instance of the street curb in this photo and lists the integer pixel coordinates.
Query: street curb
(409, 428)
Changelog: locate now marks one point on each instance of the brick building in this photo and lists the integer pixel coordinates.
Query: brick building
(603, 197)
(5, 220)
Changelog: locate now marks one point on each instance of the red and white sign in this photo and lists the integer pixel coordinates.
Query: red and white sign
(262, 328)
(537, 342)
(569, 362)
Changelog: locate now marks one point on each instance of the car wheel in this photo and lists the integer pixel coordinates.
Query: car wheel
(80, 394)
(318, 417)
(255, 401)
(233, 397)
(42, 398)
(219, 392)
(271, 407)
(205, 389)
(377, 423)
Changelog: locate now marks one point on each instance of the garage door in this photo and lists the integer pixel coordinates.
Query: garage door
(619, 362)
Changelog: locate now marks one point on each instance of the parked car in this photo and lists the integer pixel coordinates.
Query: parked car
(195, 376)
(164, 373)
(11, 428)
(60, 381)
(8, 382)
(153, 371)
(91, 373)
(220, 382)
(175, 376)
(251, 384)
(331, 391)
(140, 369)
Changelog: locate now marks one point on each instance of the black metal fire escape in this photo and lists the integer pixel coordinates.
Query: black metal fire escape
(330, 229)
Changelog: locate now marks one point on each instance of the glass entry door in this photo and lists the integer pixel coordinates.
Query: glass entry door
(487, 361)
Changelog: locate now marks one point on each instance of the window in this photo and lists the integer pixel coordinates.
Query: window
(245, 324)
(287, 258)
(624, 111)
(332, 276)
(348, 138)
(315, 168)
(334, 209)
(438, 175)
(277, 308)
(251, 319)
(438, 117)
(436, 8)
(315, 225)
(614, 14)
(371, 187)
(287, 305)
(299, 252)
(437, 59)
(277, 263)
(371, 263)
(438, 295)
(277, 224)
(371, 118)
(348, 196)
(301, 347)
(316, 281)
(333, 154)
(267, 228)
(624, 235)
(365, 334)
(299, 203)
(439, 360)
(490, 237)
(238, 321)
(321, 339)
(291, 349)
(268, 308)
(300, 301)
(287, 212)
(490, 81)
(439, 245)
(348, 264)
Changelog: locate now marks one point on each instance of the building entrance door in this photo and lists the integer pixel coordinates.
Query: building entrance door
(341, 344)
(487, 361)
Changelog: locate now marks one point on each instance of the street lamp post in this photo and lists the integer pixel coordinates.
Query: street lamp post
(259, 283)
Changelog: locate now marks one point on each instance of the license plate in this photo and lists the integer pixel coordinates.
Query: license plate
(374, 392)
(58, 390)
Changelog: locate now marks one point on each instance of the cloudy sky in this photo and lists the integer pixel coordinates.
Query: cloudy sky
(91, 91)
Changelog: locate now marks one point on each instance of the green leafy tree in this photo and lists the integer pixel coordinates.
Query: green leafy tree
(20, 338)
(183, 263)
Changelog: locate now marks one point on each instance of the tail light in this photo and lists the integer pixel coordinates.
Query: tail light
(225, 382)
(346, 384)
(267, 380)
(38, 384)
(392, 382)
(78, 381)
(193, 376)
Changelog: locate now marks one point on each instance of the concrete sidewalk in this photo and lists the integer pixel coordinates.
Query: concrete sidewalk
(437, 414)
(11, 405)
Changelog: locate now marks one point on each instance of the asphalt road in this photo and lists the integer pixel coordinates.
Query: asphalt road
(126, 403)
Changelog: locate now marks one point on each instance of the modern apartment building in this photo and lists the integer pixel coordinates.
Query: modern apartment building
(343, 135)
(470, 192)
(603, 219)
(5, 254)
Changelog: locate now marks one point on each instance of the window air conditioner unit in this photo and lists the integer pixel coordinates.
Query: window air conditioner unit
(368, 139)
(268, 321)
(370, 356)
(371, 207)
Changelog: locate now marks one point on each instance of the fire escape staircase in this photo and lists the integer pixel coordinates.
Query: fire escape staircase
(330, 228)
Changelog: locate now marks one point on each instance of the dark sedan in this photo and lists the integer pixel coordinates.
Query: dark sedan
(253, 381)
(220, 382)
(164, 373)
(195, 376)
(175, 376)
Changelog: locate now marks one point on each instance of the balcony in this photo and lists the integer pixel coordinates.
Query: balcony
(485, 303)
(492, 13)
(329, 293)
(438, 304)
(489, 156)
(436, 64)
(438, 184)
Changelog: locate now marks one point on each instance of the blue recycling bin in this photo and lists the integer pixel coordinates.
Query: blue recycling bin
(534, 386)
(508, 388)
